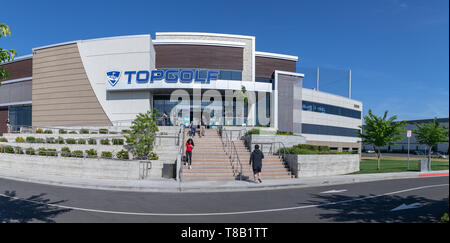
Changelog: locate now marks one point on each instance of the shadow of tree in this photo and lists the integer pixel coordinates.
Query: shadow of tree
(32, 209)
(340, 208)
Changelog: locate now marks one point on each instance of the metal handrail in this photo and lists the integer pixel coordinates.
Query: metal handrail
(231, 152)
(181, 151)
(238, 160)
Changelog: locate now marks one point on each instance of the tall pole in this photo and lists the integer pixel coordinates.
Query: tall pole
(317, 79)
(350, 85)
(408, 153)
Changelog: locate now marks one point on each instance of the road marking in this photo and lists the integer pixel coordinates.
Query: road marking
(224, 213)
(404, 207)
(334, 191)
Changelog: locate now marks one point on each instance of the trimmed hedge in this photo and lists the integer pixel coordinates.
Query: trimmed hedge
(47, 152)
(122, 154)
(30, 139)
(3, 140)
(65, 152)
(310, 149)
(20, 140)
(91, 153)
(117, 141)
(106, 154)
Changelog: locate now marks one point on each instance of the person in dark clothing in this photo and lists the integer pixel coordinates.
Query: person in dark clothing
(256, 161)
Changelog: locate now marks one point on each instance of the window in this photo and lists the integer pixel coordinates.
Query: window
(329, 130)
(330, 109)
(20, 116)
(263, 80)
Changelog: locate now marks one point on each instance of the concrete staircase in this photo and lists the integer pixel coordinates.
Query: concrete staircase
(210, 161)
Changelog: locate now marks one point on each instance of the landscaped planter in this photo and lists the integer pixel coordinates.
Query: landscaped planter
(264, 141)
(322, 164)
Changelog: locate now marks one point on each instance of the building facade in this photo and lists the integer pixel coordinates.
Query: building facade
(107, 81)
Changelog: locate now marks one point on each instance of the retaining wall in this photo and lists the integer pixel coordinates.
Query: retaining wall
(322, 164)
(71, 167)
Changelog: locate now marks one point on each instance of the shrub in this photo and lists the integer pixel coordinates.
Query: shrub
(117, 141)
(91, 153)
(29, 151)
(84, 131)
(125, 131)
(60, 140)
(39, 130)
(81, 141)
(65, 152)
(163, 133)
(284, 133)
(73, 132)
(112, 132)
(62, 131)
(122, 154)
(106, 154)
(18, 150)
(153, 156)
(70, 141)
(252, 131)
(50, 140)
(92, 141)
(20, 140)
(39, 140)
(94, 132)
(103, 131)
(77, 154)
(3, 140)
(8, 149)
(48, 132)
(104, 141)
(47, 152)
(30, 139)
(444, 219)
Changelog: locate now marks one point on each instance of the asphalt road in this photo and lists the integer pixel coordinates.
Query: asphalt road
(423, 200)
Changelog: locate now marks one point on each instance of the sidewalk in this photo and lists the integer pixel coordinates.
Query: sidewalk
(169, 185)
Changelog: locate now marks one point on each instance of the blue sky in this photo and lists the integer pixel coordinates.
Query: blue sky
(398, 50)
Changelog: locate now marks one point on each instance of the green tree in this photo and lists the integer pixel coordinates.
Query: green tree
(5, 55)
(381, 131)
(430, 134)
(142, 134)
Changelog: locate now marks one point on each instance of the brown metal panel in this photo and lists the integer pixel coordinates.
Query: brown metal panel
(19, 69)
(61, 90)
(265, 67)
(3, 118)
(199, 56)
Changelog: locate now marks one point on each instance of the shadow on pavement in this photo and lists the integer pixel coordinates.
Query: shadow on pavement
(378, 209)
(32, 209)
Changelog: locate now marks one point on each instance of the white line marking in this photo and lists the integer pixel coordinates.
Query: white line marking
(225, 213)
(334, 191)
(404, 207)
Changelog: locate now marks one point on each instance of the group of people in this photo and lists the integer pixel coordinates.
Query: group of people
(256, 156)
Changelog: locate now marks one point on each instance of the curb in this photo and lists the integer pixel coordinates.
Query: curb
(175, 187)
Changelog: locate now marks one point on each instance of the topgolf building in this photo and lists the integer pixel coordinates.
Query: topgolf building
(107, 81)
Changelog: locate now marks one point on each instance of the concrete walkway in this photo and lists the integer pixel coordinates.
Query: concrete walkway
(169, 185)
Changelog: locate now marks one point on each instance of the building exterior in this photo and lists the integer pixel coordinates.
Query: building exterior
(402, 146)
(107, 81)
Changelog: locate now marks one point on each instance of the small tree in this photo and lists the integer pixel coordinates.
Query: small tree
(430, 134)
(5, 55)
(142, 134)
(380, 131)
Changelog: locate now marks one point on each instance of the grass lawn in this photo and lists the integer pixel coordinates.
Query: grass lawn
(368, 166)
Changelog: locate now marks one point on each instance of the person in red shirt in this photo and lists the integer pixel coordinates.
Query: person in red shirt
(189, 147)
